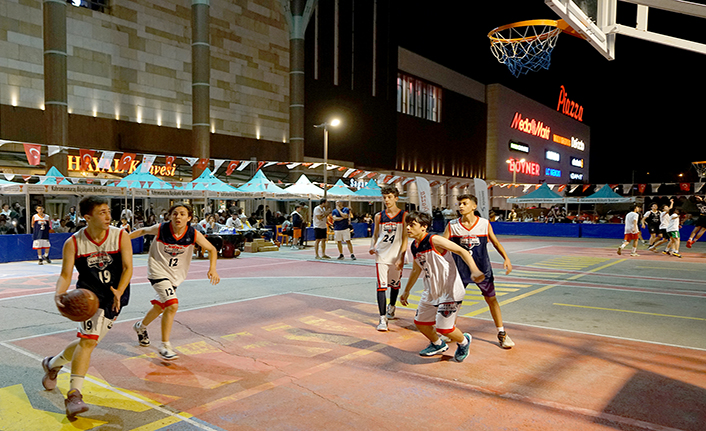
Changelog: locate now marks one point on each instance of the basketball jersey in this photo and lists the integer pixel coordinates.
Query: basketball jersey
(442, 283)
(170, 257)
(474, 240)
(652, 218)
(100, 266)
(390, 232)
(664, 220)
(40, 226)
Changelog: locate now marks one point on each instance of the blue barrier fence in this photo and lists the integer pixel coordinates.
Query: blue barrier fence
(17, 248)
(570, 230)
(360, 230)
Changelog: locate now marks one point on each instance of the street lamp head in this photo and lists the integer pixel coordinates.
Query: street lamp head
(335, 122)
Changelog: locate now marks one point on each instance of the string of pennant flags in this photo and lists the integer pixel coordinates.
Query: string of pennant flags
(144, 165)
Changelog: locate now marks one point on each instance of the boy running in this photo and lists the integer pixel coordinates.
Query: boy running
(473, 233)
(389, 245)
(102, 255)
(443, 289)
(167, 265)
(673, 233)
(632, 232)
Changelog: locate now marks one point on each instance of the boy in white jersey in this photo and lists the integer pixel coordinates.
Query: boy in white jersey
(102, 255)
(473, 233)
(443, 289)
(632, 231)
(167, 266)
(673, 233)
(389, 245)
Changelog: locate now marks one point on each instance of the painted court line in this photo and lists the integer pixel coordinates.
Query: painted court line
(629, 311)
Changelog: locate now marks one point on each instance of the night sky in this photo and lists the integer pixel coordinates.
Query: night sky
(645, 108)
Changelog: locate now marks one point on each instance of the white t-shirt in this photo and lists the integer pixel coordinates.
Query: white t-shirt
(664, 220)
(631, 222)
(319, 212)
(673, 223)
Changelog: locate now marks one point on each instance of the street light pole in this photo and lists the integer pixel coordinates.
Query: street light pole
(335, 122)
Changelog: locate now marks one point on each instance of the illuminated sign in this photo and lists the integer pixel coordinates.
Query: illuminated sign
(569, 107)
(577, 162)
(552, 172)
(552, 155)
(516, 146)
(527, 168)
(574, 143)
(357, 184)
(530, 126)
(74, 164)
(576, 176)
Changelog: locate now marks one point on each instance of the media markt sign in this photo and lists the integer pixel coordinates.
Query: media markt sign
(530, 126)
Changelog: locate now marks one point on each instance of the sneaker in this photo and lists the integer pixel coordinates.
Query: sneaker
(390, 312)
(167, 353)
(634, 254)
(653, 249)
(505, 341)
(675, 254)
(74, 403)
(432, 349)
(382, 326)
(462, 351)
(46, 258)
(353, 257)
(142, 336)
(620, 250)
(49, 379)
(325, 257)
(689, 243)
(340, 257)
(318, 258)
(665, 252)
(41, 262)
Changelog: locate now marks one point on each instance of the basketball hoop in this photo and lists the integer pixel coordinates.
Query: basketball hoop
(700, 168)
(526, 45)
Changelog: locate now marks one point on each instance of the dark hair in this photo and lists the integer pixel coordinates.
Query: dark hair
(322, 201)
(88, 203)
(423, 219)
(184, 205)
(390, 190)
(467, 196)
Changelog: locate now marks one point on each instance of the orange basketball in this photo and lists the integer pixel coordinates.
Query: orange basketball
(79, 304)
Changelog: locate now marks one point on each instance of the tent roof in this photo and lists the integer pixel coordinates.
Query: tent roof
(605, 195)
(137, 177)
(304, 187)
(340, 189)
(542, 195)
(259, 183)
(207, 181)
(372, 189)
(52, 174)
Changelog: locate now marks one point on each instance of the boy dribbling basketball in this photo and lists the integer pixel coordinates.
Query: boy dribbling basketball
(102, 255)
(443, 289)
(167, 265)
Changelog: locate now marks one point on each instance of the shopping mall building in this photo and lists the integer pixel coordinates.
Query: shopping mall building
(141, 77)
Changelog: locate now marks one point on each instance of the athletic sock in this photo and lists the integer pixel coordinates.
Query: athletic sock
(464, 342)
(623, 245)
(382, 302)
(76, 382)
(439, 341)
(634, 249)
(58, 361)
(394, 293)
(501, 329)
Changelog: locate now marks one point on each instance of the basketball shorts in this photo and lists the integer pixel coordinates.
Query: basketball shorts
(96, 327)
(442, 315)
(663, 232)
(388, 276)
(165, 293)
(487, 286)
(319, 233)
(40, 244)
(631, 236)
(673, 234)
(653, 228)
(342, 235)
(701, 221)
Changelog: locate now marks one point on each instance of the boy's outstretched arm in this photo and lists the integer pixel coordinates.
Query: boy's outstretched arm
(440, 242)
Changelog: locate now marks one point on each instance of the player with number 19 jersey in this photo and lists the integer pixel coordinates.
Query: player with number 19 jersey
(170, 257)
(389, 241)
(100, 266)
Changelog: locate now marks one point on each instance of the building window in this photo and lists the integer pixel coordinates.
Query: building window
(97, 5)
(418, 98)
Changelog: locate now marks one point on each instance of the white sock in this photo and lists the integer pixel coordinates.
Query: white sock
(464, 342)
(501, 329)
(623, 245)
(76, 382)
(58, 361)
(438, 342)
(634, 249)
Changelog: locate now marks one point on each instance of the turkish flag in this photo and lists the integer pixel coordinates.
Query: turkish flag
(34, 153)
(641, 188)
(170, 161)
(86, 158)
(259, 165)
(202, 164)
(684, 186)
(585, 186)
(125, 161)
(231, 166)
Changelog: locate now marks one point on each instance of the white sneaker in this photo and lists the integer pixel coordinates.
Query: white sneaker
(382, 327)
(167, 353)
(634, 254)
(391, 312)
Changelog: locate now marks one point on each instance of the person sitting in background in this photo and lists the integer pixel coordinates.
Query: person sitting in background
(212, 227)
(5, 227)
(124, 225)
(62, 226)
(512, 216)
(234, 222)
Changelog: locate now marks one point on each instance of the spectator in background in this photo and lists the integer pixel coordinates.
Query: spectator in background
(5, 227)
(72, 215)
(62, 226)
(297, 222)
(126, 213)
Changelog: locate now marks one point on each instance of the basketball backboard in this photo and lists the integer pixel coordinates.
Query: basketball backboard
(595, 21)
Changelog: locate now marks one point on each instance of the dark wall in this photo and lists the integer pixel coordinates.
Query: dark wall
(367, 135)
(456, 146)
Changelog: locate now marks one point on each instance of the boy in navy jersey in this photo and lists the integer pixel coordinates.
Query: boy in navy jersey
(443, 290)
(102, 255)
(473, 233)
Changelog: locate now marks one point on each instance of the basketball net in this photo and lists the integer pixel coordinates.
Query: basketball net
(700, 168)
(525, 46)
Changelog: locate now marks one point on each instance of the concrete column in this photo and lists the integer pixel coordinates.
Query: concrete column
(296, 80)
(200, 81)
(56, 116)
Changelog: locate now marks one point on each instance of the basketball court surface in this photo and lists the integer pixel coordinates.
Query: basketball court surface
(287, 342)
